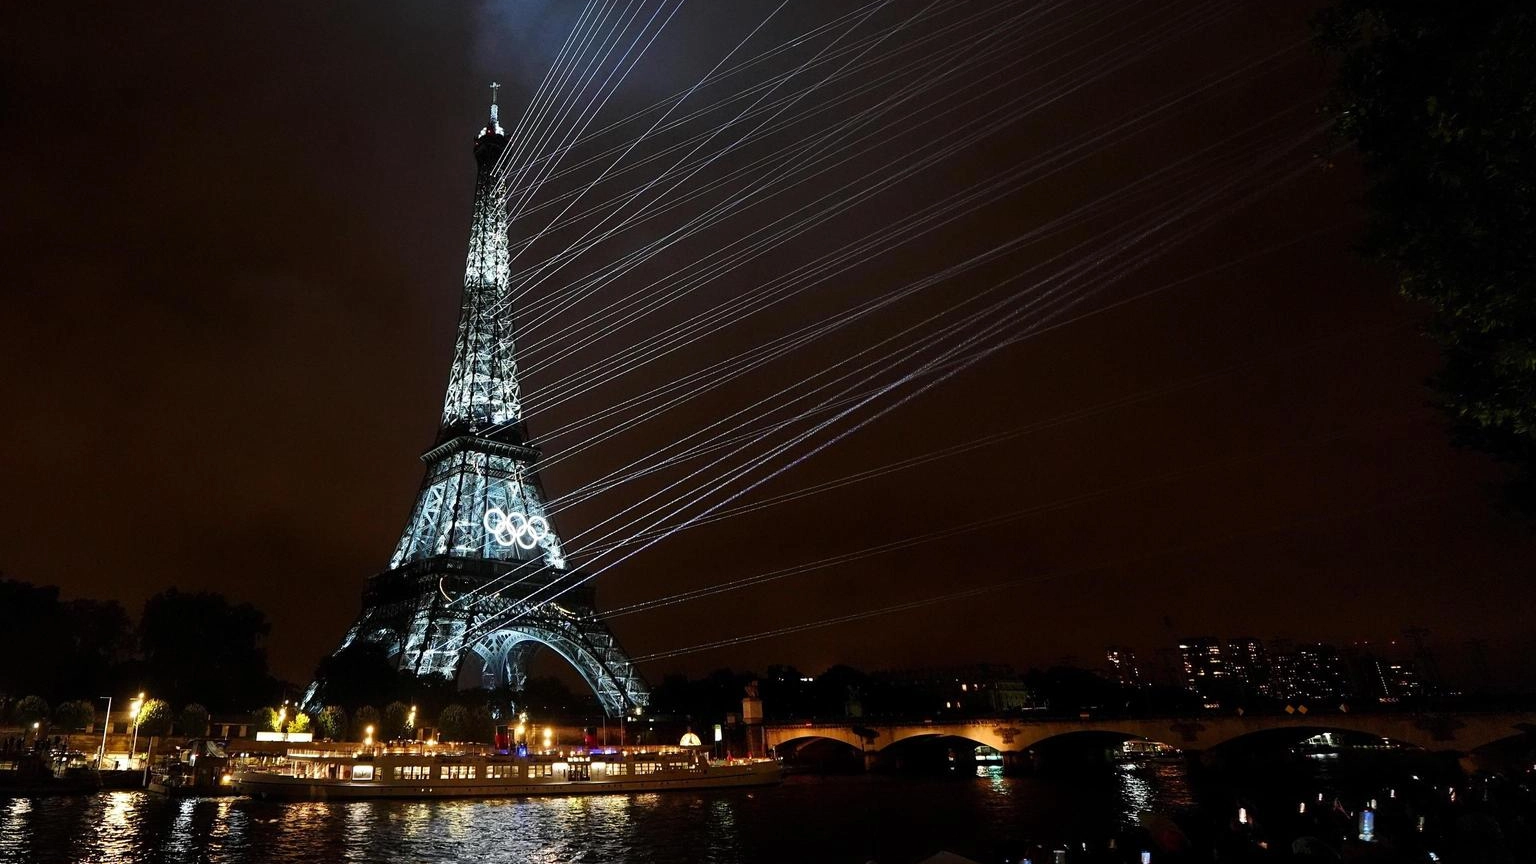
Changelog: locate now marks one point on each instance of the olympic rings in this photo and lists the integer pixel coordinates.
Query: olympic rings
(515, 528)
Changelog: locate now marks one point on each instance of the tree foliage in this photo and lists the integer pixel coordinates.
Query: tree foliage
(480, 725)
(363, 674)
(453, 723)
(1438, 99)
(285, 718)
(69, 647)
(200, 646)
(365, 717)
(359, 674)
(74, 716)
(331, 723)
(155, 717)
(396, 725)
(30, 709)
(194, 720)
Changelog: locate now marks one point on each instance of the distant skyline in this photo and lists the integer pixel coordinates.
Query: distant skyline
(233, 274)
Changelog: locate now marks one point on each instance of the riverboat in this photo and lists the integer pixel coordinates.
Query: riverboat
(1136, 751)
(438, 771)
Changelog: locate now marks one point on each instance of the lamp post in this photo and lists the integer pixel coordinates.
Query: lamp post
(102, 753)
(133, 746)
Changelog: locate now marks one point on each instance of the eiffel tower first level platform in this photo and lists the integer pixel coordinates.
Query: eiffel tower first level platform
(479, 578)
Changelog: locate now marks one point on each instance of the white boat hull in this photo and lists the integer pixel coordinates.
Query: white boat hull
(265, 785)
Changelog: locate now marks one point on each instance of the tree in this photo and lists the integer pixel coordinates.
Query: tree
(74, 716)
(100, 638)
(396, 725)
(365, 720)
(359, 674)
(331, 723)
(480, 725)
(547, 696)
(453, 723)
(194, 721)
(30, 710)
(71, 647)
(1437, 98)
(202, 647)
(283, 719)
(154, 717)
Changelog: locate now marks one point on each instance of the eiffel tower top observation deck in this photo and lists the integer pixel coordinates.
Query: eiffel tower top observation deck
(482, 386)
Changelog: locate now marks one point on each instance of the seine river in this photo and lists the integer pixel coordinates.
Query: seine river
(890, 819)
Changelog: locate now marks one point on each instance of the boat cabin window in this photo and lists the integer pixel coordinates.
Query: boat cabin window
(362, 772)
(412, 772)
(457, 772)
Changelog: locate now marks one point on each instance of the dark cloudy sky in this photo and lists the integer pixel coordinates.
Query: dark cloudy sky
(233, 241)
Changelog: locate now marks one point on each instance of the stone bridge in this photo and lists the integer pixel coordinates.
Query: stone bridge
(1015, 735)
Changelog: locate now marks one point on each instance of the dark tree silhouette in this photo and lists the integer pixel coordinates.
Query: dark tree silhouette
(366, 716)
(60, 649)
(1438, 98)
(194, 720)
(358, 675)
(202, 647)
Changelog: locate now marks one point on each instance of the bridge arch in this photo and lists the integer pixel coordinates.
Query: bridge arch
(1431, 732)
(1106, 735)
(1293, 735)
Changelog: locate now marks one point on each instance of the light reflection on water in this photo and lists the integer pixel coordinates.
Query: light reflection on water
(1153, 786)
(854, 819)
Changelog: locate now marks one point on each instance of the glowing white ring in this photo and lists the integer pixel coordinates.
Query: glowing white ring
(515, 528)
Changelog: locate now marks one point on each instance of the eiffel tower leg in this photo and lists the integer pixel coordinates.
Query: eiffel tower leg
(506, 662)
(584, 642)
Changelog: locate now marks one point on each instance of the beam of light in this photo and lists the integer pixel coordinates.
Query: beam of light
(907, 397)
(1034, 578)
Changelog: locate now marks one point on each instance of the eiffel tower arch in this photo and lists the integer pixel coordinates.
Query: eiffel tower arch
(480, 540)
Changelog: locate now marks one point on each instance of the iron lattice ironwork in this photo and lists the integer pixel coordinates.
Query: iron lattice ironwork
(481, 522)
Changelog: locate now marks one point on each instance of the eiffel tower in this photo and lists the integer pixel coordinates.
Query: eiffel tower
(481, 522)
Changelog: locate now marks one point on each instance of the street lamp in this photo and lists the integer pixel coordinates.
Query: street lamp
(368, 736)
(102, 753)
(135, 707)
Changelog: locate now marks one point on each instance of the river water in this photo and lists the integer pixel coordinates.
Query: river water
(886, 818)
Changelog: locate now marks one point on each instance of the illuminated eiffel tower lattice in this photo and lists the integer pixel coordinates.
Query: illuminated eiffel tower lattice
(480, 539)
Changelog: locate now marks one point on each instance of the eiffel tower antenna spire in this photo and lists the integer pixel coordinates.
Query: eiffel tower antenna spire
(482, 511)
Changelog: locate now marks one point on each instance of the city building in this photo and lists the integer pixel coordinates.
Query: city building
(1309, 673)
(1205, 665)
(1216, 669)
(1393, 682)
(1247, 664)
(1123, 667)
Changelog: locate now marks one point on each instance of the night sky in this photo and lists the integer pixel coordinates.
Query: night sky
(234, 237)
